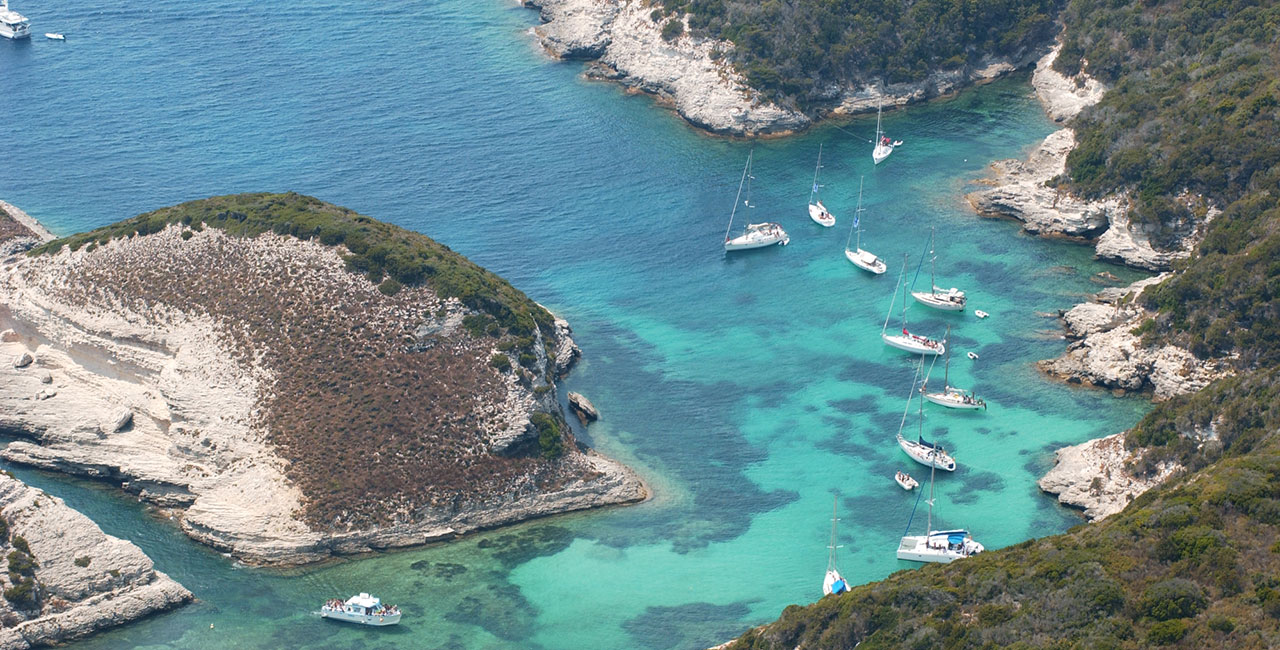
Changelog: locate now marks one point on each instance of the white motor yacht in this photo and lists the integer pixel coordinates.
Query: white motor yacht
(363, 609)
(13, 24)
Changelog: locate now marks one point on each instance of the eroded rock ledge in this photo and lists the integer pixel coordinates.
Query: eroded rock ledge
(1094, 476)
(693, 75)
(83, 580)
(282, 405)
(1028, 191)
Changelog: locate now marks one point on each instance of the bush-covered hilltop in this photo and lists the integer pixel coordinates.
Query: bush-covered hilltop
(388, 255)
(794, 51)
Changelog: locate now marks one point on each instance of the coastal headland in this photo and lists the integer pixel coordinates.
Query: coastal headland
(292, 379)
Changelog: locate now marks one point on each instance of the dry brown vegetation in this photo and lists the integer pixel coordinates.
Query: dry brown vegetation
(381, 418)
(10, 228)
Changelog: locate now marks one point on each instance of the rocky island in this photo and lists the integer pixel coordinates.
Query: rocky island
(292, 379)
(66, 578)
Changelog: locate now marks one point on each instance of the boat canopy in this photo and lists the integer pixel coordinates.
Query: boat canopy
(363, 600)
(926, 444)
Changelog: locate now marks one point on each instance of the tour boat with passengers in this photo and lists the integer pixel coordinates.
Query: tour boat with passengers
(363, 609)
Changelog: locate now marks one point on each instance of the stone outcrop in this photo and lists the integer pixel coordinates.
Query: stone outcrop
(170, 396)
(85, 580)
(1094, 476)
(694, 74)
(1027, 191)
(18, 231)
(1106, 352)
(583, 408)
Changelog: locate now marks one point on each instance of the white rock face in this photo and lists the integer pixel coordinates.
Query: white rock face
(159, 402)
(1092, 476)
(1064, 97)
(1128, 244)
(1108, 354)
(119, 583)
(38, 234)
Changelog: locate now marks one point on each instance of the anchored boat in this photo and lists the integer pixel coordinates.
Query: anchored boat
(950, 396)
(865, 260)
(833, 582)
(755, 235)
(363, 609)
(13, 24)
(884, 146)
(817, 211)
(951, 299)
(941, 546)
(907, 341)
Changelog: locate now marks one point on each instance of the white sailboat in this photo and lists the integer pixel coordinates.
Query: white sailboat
(865, 260)
(942, 546)
(755, 235)
(884, 146)
(951, 299)
(950, 396)
(817, 211)
(921, 451)
(833, 582)
(906, 340)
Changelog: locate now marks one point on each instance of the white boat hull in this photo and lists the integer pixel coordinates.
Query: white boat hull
(758, 236)
(829, 582)
(927, 456)
(953, 401)
(363, 619)
(935, 547)
(939, 300)
(907, 483)
(15, 34)
(820, 216)
(866, 261)
(881, 152)
(913, 344)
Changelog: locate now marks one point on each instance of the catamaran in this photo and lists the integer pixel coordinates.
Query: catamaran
(13, 24)
(943, 546)
(865, 260)
(906, 340)
(921, 451)
(817, 211)
(884, 146)
(833, 582)
(950, 396)
(951, 299)
(756, 235)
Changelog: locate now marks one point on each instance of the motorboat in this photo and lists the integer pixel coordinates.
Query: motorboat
(13, 24)
(865, 260)
(361, 608)
(54, 37)
(980, 314)
(755, 235)
(905, 481)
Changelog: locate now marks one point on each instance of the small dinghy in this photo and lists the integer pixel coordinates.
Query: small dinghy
(55, 37)
(973, 355)
(905, 481)
(980, 314)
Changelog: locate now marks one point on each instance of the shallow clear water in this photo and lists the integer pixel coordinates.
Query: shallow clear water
(748, 389)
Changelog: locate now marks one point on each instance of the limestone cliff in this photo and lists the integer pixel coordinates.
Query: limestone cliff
(296, 380)
(66, 578)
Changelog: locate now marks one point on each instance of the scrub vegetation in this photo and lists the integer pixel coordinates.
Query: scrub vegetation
(793, 51)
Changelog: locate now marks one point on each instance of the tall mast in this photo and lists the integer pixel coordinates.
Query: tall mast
(946, 372)
(857, 215)
(901, 276)
(933, 257)
(932, 470)
(745, 171)
(831, 557)
(879, 109)
(904, 293)
(814, 193)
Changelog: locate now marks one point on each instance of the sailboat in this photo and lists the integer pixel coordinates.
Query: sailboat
(951, 299)
(884, 146)
(756, 235)
(923, 452)
(906, 340)
(833, 582)
(942, 546)
(949, 396)
(865, 260)
(817, 211)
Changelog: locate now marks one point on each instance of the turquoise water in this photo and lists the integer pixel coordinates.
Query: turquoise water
(748, 390)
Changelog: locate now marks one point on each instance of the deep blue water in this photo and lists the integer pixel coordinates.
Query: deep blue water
(747, 389)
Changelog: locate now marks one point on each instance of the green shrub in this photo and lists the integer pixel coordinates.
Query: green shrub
(187, 234)
(20, 543)
(673, 29)
(1171, 599)
(550, 438)
(4, 530)
(1221, 623)
(21, 564)
(1166, 632)
(22, 594)
(83, 561)
(390, 287)
(528, 360)
(501, 362)
(475, 324)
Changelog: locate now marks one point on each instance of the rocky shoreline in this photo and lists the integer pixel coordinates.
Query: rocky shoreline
(82, 580)
(121, 385)
(1027, 191)
(693, 75)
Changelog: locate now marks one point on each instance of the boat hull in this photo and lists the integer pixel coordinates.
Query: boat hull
(950, 401)
(361, 619)
(821, 216)
(880, 153)
(911, 344)
(908, 484)
(858, 259)
(736, 245)
(926, 456)
(934, 300)
(934, 548)
(15, 35)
